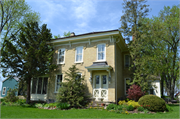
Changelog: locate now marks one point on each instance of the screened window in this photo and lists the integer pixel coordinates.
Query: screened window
(39, 85)
(61, 55)
(79, 54)
(4, 91)
(101, 52)
(127, 61)
(58, 81)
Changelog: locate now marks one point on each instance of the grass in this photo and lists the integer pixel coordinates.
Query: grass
(29, 112)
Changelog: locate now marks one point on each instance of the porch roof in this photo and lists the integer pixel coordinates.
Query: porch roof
(99, 66)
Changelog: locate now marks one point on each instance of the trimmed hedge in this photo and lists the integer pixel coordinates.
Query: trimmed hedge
(152, 103)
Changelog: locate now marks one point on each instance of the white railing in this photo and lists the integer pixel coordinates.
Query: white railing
(100, 93)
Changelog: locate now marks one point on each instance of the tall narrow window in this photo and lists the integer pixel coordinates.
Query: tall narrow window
(58, 81)
(61, 54)
(39, 85)
(4, 91)
(34, 82)
(101, 52)
(44, 91)
(127, 61)
(79, 54)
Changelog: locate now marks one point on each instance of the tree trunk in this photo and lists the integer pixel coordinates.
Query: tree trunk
(162, 87)
(28, 90)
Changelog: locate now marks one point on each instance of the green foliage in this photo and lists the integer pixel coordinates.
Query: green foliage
(14, 14)
(140, 108)
(152, 103)
(168, 108)
(72, 90)
(133, 103)
(11, 96)
(111, 107)
(28, 55)
(130, 108)
(63, 105)
(38, 105)
(21, 101)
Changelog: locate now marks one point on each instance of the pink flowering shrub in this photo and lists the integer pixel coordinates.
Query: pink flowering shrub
(135, 92)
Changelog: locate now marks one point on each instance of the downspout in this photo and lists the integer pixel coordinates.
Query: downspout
(115, 73)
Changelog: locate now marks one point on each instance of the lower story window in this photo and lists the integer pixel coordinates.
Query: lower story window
(39, 85)
(57, 82)
(4, 91)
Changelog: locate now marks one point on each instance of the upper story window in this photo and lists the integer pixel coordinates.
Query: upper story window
(79, 54)
(61, 55)
(57, 82)
(101, 52)
(126, 60)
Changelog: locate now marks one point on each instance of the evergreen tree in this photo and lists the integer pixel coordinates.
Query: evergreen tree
(131, 22)
(72, 90)
(28, 55)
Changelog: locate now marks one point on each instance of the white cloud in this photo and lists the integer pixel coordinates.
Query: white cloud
(83, 11)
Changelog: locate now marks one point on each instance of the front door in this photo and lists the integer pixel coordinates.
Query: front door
(100, 87)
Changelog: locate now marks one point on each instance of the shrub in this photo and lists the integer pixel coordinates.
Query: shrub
(168, 108)
(63, 105)
(118, 107)
(21, 101)
(38, 105)
(121, 102)
(140, 108)
(152, 103)
(130, 108)
(134, 92)
(111, 106)
(133, 103)
(11, 96)
(72, 90)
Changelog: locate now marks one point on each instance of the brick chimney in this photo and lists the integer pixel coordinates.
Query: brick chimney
(72, 34)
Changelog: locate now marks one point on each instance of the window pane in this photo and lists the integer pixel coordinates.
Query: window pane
(45, 85)
(39, 86)
(127, 84)
(79, 54)
(34, 82)
(4, 90)
(126, 60)
(58, 81)
(61, 59)
(101, 52)
(97, 79)
(104, 79)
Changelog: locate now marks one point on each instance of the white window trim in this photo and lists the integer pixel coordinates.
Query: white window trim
(64, 56)
(4, 92)
(125, 84)
(125, 61)
(37, 81)
(82, 54)
(56, 82)
(104, 52)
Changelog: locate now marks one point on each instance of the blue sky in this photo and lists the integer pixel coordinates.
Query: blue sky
(83, 16)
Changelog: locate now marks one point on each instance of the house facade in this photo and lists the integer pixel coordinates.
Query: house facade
(102, 57)
(10, 82)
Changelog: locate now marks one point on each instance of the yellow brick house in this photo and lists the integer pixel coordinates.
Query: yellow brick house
(102, 57)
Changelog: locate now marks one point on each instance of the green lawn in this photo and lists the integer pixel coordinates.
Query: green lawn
(29, 112)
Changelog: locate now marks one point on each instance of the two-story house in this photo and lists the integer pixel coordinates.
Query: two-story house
(102, 57)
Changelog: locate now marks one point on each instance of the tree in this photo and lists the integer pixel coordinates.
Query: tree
(159, 41)
(28, 55)
(13, 15)
(72, 90)
(131, 22)
(66, 34)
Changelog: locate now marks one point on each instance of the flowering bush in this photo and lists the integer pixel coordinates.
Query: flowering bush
(134, 92)
(121, 102)
(133, 103)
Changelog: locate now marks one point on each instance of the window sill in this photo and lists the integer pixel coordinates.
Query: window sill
(56, 92)
(100, 61)
(60, 63)
(78, 62)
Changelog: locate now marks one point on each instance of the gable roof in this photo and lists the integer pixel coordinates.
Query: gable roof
(16, 78)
